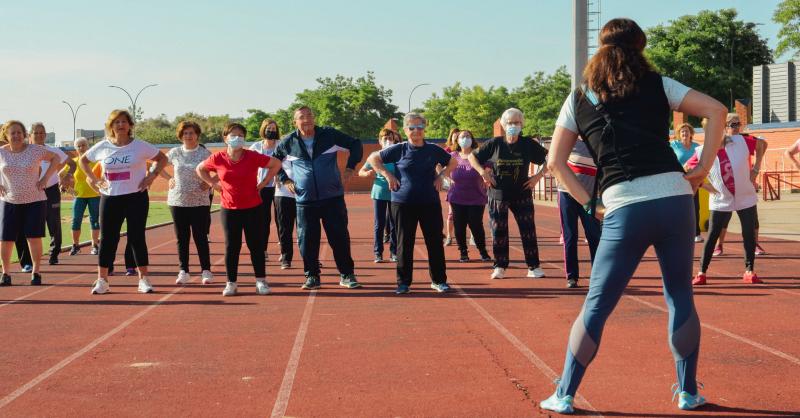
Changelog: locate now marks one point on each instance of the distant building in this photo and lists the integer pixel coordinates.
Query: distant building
(51, 138)
(93, 135)
(776, 93)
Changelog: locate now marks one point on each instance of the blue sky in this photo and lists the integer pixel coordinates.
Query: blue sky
(216, 57)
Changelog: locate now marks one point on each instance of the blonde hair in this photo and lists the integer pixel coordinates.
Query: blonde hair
(113, 116)
(452, 138)
(8, 125)
(262, 131)
(687, 126)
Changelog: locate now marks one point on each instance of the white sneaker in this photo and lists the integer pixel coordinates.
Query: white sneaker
(536, 272)
(498, 273)
(262, 288)
(183, 277)
(144, 286)
(698, 238)
(230, 289)
(100, 287)
(207, 276)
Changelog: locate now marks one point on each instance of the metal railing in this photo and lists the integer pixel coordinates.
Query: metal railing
(773, 181)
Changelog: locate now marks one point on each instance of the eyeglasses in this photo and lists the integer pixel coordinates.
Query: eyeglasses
(734, 125)
(416, 127)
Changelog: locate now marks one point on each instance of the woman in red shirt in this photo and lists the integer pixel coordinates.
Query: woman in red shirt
(236, 181)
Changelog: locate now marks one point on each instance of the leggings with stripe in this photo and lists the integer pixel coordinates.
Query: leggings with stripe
(627, 233)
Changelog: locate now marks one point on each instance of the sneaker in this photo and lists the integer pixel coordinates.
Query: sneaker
(448, 241)
(100, 287)
(282, 257)
(262, 288)
(572, 283)
(536, 272)
(94, 251)
(556, 404)
(378, 258)
(751, 278)
(145, 286)
(230, 289)
(759, 250)
(207, 276)
(285, 264)
(717, 251)
(36, 279)
(6, 280)
(485, 256)
(312, 282)
(472, 241)
(27, 268)
(349, 281)
(498, 273)
(74, 249)
(130, 271)
(393, 258)
(440, 287)
(464, 257)
(183, 277)
(687, 401)
(402, 289)
(699, 280)
(698, 238)
(53, 261)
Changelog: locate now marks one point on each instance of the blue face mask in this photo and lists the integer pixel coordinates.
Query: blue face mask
(235, 142)
(513, 130)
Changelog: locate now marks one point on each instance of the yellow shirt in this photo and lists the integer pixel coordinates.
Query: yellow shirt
(82, 188)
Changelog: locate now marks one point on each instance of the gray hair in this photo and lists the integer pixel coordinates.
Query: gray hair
(79, 141)
(412, 116)
(513, 111)
(35, 125)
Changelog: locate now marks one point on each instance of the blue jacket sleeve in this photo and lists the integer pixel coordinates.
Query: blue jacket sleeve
(352, 144)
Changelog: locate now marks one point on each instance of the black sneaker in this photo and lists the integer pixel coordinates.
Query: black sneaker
(312, 282)
(53, 261)
(464, 257)
(36, 279)
(6, 280)
(74, 250)
(285, 264)
(485, 256)
(378, 258)
(572, 283)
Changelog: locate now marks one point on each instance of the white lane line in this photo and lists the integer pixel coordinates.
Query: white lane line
(521, 347)
(282, 401)
(59, 284)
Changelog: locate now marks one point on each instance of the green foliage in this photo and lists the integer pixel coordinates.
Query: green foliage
(540, 97)
(478, 108)
(787, 14)
(440, 111)
(712, 52)
(156, 130)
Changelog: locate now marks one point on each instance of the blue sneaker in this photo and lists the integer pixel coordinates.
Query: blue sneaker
(402, 289)
(556, 404)
(27, 268)
(349, 281)
(440, 287)
(312, 282)
(686, 401)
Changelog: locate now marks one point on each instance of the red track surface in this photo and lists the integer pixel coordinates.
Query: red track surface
(492, 348)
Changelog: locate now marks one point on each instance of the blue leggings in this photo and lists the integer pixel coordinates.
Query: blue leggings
(627, 233)
(79, 208)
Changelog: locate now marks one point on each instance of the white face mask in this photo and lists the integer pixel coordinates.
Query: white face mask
(465, 142)
(235, 142)
(386, 144)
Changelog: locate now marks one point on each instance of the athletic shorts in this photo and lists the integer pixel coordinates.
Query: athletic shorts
(27, 219)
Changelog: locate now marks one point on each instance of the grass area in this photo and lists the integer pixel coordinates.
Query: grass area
(158, 213)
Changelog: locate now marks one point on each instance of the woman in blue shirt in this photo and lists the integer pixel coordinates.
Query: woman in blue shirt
(382, 197)
(684, 149)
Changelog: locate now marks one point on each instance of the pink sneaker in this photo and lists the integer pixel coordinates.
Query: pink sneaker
(699, 280)
(751, 278)
(717, 251)
(759, 250)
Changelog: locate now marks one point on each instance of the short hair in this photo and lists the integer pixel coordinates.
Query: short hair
(80, 140)
(35, 125)
(508, 113)
(262, 131)
(231, 126)
(687, 126)
(113, 116)
(475, 143)
(412, 116)
(386, 132)
(300, 109)
(732, 116)
(8, 125)
(185, 125)
(450, 140)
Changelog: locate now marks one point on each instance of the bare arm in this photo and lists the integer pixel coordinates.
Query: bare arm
(561, 146)
(376, 162)
(483, 171)
(54, 167)
(365, 172)
(791, 154)
(272, 169)
(699, 104)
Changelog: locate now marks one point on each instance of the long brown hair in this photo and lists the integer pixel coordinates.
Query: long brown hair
(619, 63)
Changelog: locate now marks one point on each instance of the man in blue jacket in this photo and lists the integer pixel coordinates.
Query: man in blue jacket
(319, 192)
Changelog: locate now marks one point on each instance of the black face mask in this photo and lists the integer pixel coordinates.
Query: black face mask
(271, 134)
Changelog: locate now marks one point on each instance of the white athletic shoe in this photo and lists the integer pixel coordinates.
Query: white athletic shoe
(498, 273)
(556, 404)
(144, 286)
(536, 272)
(100, 287)
(230, 289)
(183, 277)
(207, 276)
(262, 288)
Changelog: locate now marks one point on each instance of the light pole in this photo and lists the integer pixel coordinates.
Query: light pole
(74, 117)
(132, 99)
(412, 92)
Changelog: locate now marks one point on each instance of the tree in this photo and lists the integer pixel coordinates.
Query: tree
(253, 123)
(158, 130)
(712, 52)
(540, 98)
(441, 111)
(139, 116)
(787, 14)
(478, 108)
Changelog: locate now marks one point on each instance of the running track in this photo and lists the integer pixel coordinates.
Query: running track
(490, 348)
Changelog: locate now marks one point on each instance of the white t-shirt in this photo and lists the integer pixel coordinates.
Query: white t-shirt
(280, 189)
(262, 172)
(46, 164)
(746, 195)
(123, 167)
(19, 174)
(642, 188)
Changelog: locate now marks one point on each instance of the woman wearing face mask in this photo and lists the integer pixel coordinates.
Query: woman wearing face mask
(188, 200)
(85, 197)
(236, 180)
(23, 203)
(124, 195)
(467, 197)
(269, 134)
(381, 198)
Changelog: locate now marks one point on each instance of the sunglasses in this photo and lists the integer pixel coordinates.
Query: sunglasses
(735, 125)
(416, 127)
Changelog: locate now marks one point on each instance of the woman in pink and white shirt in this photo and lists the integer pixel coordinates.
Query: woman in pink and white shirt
(23, 205)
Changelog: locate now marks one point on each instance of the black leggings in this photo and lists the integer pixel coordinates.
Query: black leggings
(471, 215)
(697, 213)
(719, 221)
(114, 210)
(267, 197)
(191, 221)
(234, 221)
(285, 218)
